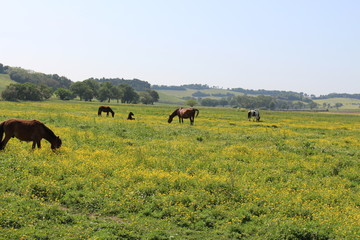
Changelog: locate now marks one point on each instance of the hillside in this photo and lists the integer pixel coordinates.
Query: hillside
(177, 96)
(5, 81)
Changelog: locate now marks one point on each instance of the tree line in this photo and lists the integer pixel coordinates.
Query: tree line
(254, 102)
(34, 86)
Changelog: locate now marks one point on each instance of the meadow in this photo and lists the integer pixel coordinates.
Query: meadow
(293, 175)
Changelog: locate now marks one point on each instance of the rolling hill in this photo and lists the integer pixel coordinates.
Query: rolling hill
(5, 81)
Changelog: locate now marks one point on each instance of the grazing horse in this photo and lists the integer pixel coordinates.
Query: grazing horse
(254, 113)
(27, 130)
(130, 116)
(105, 109)
(184, 113)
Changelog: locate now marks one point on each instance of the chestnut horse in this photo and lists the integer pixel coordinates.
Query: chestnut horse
(184, 113)
(27, 130)
(105, 109)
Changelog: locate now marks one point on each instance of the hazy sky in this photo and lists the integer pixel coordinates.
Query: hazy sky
(310, 46)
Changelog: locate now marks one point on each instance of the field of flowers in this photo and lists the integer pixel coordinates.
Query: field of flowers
(294, 175)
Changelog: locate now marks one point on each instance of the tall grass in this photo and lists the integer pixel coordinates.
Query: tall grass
(291, 176)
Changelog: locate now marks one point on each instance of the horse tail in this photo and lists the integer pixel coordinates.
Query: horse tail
(197, 111)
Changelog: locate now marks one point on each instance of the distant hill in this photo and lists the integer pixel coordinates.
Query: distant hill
(179, 94)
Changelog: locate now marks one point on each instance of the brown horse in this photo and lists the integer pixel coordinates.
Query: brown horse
(130, 116)
(27, 130)
(184, 113)
(105, 109)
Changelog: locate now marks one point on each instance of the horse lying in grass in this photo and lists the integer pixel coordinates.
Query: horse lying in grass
(184, 113)
(107, 110)
(27, 130)
(255, 114)
(130, 116)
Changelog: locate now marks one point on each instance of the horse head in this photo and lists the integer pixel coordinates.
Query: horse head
(56, 143)
(170, 119)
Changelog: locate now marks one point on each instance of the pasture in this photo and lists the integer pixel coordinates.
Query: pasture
(293, 175)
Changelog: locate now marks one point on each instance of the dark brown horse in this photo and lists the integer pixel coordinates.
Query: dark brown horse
(27, 130)
(184, 113)
(105, 109)
(130, 116)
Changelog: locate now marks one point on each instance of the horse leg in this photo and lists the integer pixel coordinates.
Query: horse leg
(4, 142)
(39, 143)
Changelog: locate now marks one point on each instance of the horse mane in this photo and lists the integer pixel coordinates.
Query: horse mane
(47, 130)
(175, 112)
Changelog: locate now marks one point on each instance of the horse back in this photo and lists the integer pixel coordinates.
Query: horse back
(25, 130)
(187, 112)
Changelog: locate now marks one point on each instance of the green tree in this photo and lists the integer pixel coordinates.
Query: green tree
(191, 102)
(10, 93)
(83, 90)
(154, 95)
(26, 92)
(146, 98)
(105, 91)
(209, 102)
(337, 105)
(94, 86)
(117, 93)
(223, 102)
(64, 94)
(313, 105)
(129, 95)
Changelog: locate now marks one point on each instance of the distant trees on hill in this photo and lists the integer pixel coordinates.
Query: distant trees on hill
(36, 86)
(164, 87)
(137, 84)
(20, 75)
(259, 102)
(182, 87)
(339, 95)
(264, 92)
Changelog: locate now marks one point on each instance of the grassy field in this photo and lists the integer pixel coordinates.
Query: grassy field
(294, 175)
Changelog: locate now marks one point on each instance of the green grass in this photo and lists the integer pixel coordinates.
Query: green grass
(294, 175)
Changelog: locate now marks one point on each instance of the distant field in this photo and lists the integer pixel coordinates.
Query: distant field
(294, 175)
(348, 103)
(189, 92)
(4, 81)
(168, 98)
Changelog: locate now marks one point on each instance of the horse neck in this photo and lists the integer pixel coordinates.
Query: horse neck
(49, 135)
(175, 113)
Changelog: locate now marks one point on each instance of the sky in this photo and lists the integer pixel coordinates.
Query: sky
(310, 46)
